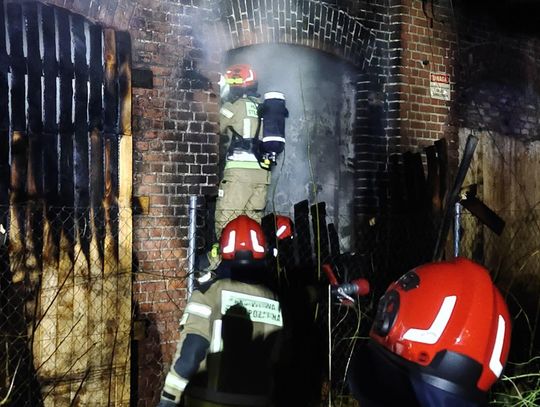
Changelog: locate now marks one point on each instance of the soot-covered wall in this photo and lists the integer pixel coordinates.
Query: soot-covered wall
(317, 163)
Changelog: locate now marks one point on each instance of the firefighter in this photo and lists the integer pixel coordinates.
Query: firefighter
(440, 338)
(248, 150)
(244, 184)
(230, 330)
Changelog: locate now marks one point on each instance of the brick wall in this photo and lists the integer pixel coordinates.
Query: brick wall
(428, 44)
(175, 156)
(493, 73)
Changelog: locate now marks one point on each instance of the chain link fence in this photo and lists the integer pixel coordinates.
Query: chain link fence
(65, 306)
(84, 322)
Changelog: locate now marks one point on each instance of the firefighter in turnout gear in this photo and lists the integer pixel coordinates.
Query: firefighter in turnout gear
(244, 184)
(229, 331)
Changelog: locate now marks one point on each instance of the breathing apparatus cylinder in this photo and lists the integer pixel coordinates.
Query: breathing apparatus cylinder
(273, 113)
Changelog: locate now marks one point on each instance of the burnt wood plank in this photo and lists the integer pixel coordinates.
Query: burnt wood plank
(50, 126)
(95, 118)
(320, 232)
(46, 332)
(34, 68)
(419, 182)
(268, 224)
(125, 229)
(82, 195)
(123, 49)
(81, 160)
(414, 181)
(81, 269)
(66, 73)
(35, 123)
(4, 121)
(303, 247)
(111, 146)
(110, 99)
(110, 107)
(19, 140)
(408, 181)
(442, 158)
(303, 232)
(433, 181)
(66, 303)
(333, 240)
(18, 67)
(397, 193)
(34, 236)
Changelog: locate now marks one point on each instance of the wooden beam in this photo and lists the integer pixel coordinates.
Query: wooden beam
(19, 142)
(320, 233)
(433, 180)
(4, 122)
(50, 97)
(442, 158)
(66, 73)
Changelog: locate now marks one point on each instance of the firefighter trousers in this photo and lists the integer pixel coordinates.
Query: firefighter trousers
(242, 191)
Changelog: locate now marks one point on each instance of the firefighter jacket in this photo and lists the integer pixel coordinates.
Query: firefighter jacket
(229, 344)
(239, 123)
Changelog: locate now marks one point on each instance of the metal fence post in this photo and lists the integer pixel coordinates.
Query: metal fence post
(192, 244)
(457, 226)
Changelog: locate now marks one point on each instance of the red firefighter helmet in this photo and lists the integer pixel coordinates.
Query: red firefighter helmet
(449, 324)
(242, 241)
(240, 76)
(284, 227)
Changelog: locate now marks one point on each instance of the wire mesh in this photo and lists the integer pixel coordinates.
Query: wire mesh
(69, 334)
(65, 307)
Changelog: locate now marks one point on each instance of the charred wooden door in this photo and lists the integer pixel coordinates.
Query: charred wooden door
(65, 218)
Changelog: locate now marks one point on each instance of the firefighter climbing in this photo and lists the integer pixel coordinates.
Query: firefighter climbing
(254, 136)
(231, 329)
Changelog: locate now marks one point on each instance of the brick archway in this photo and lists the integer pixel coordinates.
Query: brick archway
(369, 40)
(239, 23)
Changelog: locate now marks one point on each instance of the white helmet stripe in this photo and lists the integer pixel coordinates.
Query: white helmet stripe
(250, 77)
(256, 246)
(281, 230)
(495, 361)
(434, 332)
(229, 247)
